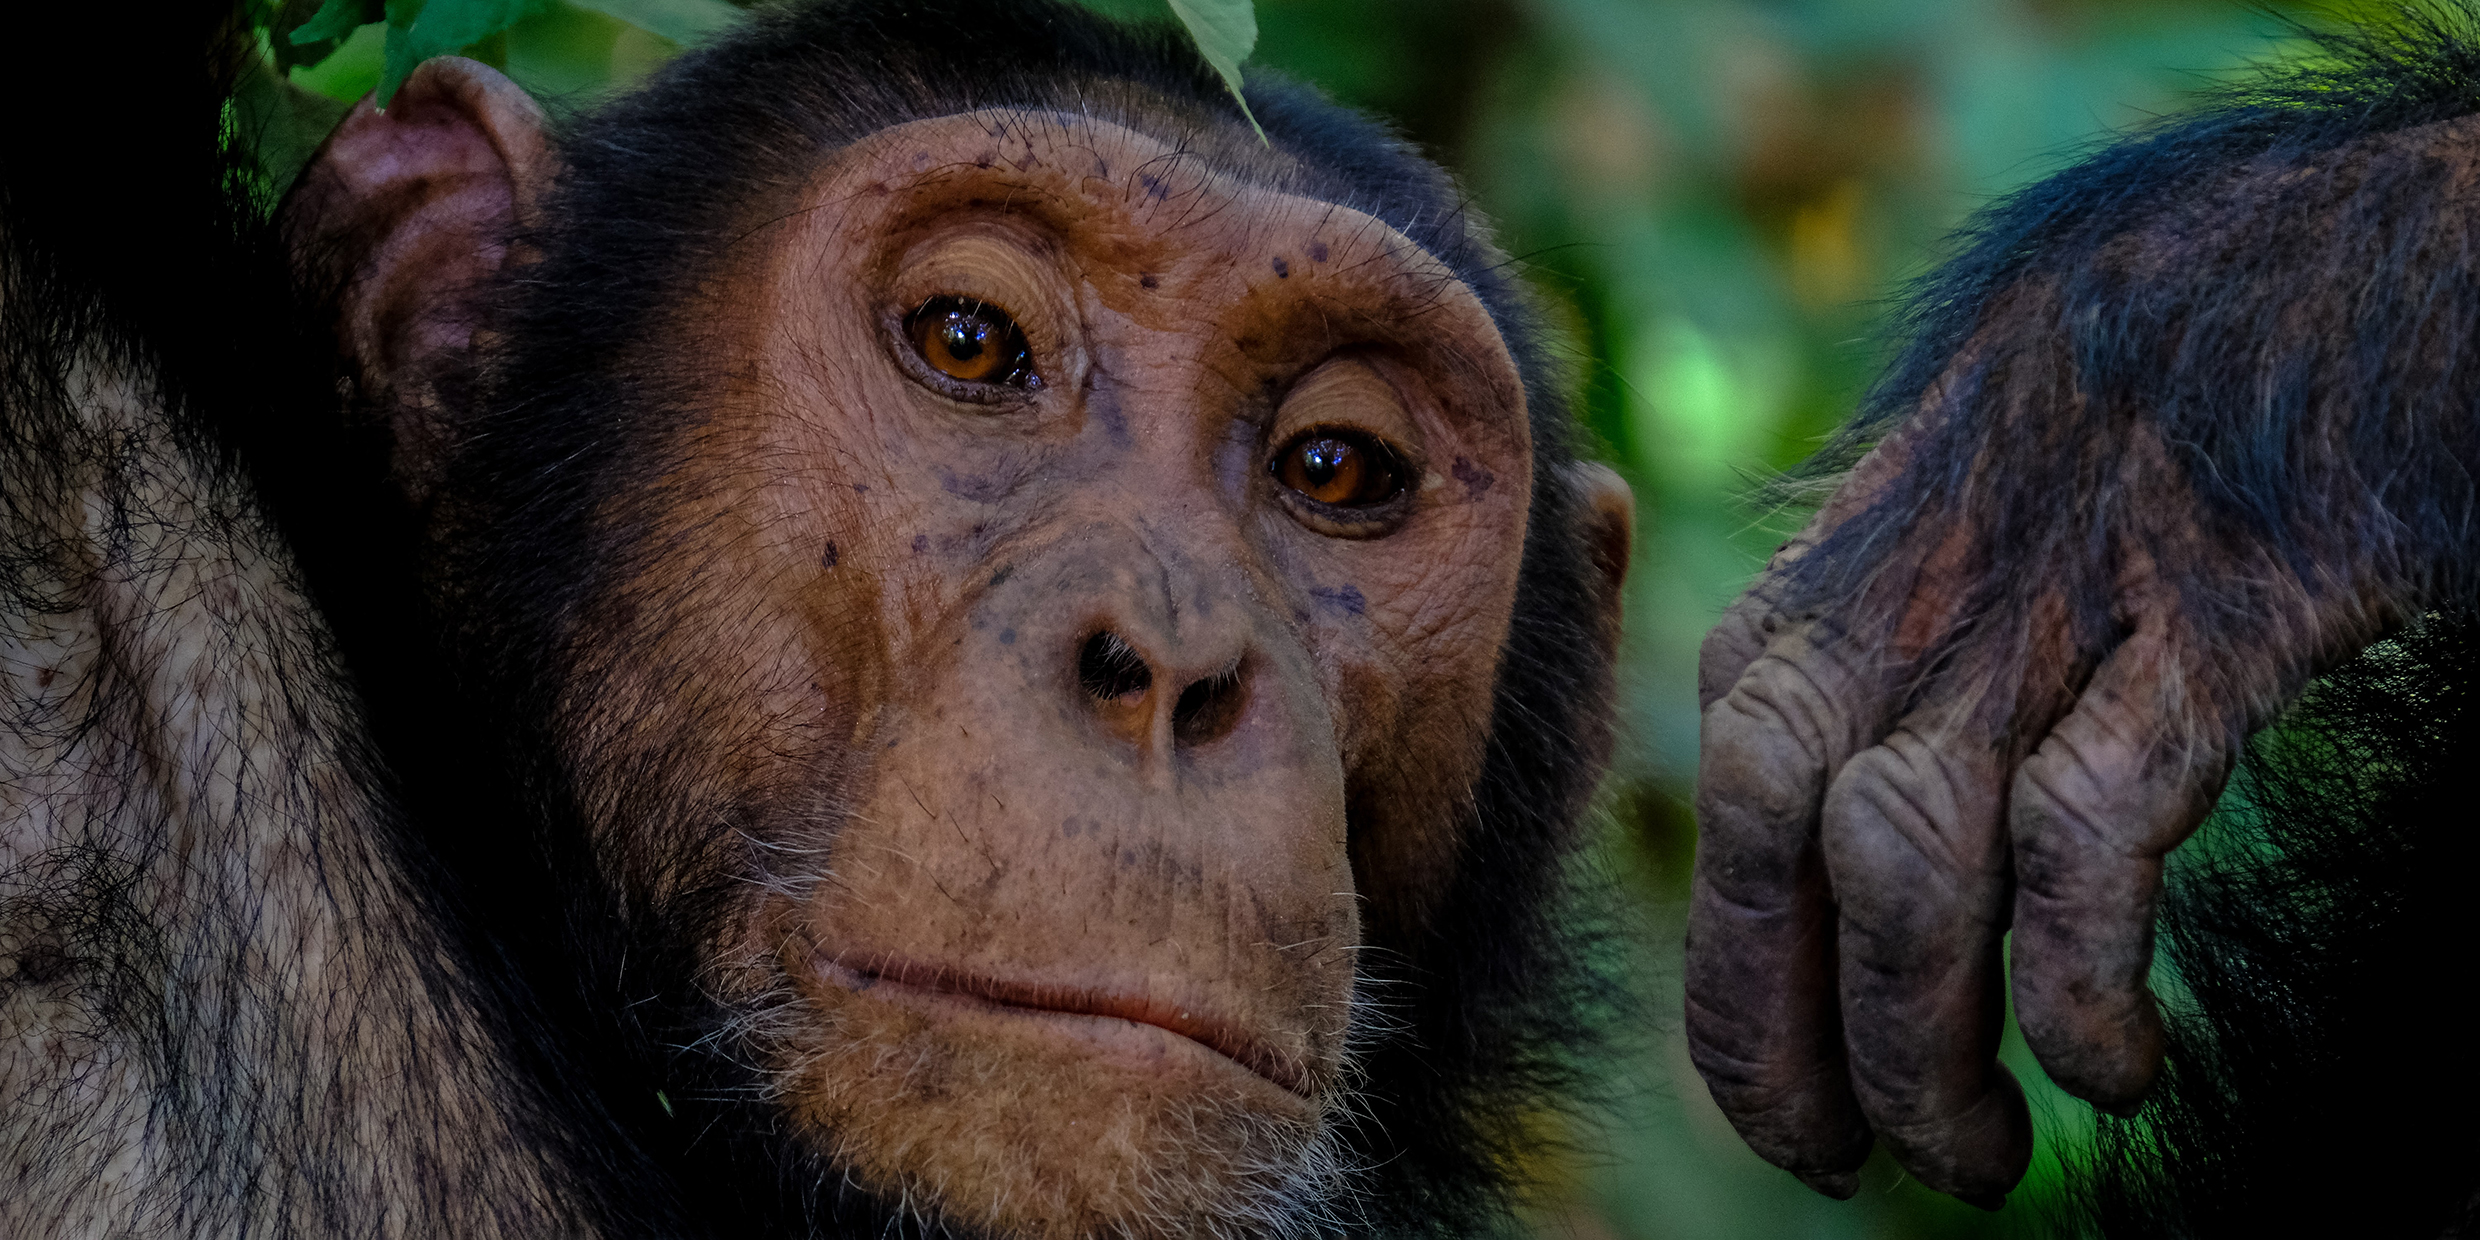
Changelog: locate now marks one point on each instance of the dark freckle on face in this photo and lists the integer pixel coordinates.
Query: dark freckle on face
(860, 488)
(1069, 827)
(1007, 637)
(1155, 190)
(1317, 251)
(999, 578)
(1346, 597)
(1476, 480)
(1127, 857)
(828, 559)
(1282, 270)
(921, 543)
(1148, 281)
(974, 487)
(1103, 404)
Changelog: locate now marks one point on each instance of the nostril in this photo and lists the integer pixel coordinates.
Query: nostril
(1208, 709)
(1111, 669)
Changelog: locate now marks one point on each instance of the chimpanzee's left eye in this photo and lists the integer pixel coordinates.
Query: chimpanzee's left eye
(971, 342)
(1340, 468)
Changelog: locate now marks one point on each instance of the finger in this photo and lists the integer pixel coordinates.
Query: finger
(1753, 620)
(2112, 789)
(1733, 645)
(1917, 853)
(1762, 1021)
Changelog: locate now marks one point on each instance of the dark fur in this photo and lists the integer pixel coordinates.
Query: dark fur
(2178, 284)
(2320, 925)
(2212, 347)
(135, 236)
(594, 1005)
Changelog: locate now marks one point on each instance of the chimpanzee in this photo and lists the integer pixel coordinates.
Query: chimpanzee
(2180, 429)
(908, 632)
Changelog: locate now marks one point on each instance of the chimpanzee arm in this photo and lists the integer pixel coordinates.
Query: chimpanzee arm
(2182, 427)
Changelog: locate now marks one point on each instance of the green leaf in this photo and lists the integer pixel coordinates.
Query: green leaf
(278, 123)
(1226, 32)
(350, 70)
(336, 19)
(682, 21)
(420, 29)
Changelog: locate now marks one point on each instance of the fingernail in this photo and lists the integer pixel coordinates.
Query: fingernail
(1840, 1185)
(1986, 1201)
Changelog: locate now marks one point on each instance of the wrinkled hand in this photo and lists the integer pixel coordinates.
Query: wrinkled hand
(1896, 773)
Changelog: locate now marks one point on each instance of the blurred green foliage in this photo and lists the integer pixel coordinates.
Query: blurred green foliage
(1717, 199)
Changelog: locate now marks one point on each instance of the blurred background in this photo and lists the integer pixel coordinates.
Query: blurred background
(1717, 199)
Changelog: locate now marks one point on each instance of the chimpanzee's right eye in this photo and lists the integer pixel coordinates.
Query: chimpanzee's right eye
(971, 342)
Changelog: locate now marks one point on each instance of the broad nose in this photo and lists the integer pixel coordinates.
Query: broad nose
(1150, 691)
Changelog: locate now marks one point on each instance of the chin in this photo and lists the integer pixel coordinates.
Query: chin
(987, 1115)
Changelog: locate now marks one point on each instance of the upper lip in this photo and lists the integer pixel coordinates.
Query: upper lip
(1194, 1021)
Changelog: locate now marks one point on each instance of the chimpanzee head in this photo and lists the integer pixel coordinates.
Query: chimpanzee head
(1068, 641)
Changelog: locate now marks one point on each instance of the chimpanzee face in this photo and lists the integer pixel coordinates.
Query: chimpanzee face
(1074, 537)
(1059, 611)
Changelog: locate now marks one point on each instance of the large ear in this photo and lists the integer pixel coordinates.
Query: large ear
(406, 215)
(1606, 517)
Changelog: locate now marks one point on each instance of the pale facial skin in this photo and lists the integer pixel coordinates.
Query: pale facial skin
(1089, 588)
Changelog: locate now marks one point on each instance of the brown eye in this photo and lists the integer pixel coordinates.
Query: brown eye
(970, 341)
(1340, 468)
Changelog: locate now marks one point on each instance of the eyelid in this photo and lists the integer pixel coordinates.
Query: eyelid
(1349, 393)
(993, 266)
(998, 263)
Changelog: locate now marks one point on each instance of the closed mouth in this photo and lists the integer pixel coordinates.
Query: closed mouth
(1185, 1021)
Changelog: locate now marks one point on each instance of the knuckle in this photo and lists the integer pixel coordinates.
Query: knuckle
(1763, 747)
(1734, 643)
(2060, 805)
(2098, 795)
(1906, 811)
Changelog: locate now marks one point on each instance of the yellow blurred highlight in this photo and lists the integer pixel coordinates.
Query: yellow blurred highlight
(1826, 264)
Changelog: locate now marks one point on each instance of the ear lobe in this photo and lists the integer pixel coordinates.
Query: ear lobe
(1606, 521)
(406, 215)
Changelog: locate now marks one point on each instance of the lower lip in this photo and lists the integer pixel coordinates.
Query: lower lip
(1126, 1037)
